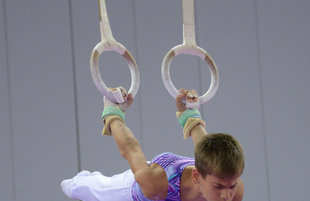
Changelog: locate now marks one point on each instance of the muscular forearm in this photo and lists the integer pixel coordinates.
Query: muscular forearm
(128, 145)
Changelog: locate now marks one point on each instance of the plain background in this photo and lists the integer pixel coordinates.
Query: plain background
(50, 109)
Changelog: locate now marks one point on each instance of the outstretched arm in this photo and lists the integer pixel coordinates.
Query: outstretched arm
(198, 131)
(151, 178)
(127, 144)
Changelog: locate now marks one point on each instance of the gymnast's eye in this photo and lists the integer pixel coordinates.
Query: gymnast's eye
(234, 186)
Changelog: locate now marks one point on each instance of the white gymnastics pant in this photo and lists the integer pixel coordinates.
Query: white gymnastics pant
(94, 186)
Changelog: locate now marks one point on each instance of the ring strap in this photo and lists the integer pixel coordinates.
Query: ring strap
(105, 28)
(188, 23)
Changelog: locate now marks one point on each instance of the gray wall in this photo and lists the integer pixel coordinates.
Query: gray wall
(50, 109)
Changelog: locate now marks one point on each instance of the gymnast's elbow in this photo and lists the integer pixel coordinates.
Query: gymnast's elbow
(154, 192)
(153, 182)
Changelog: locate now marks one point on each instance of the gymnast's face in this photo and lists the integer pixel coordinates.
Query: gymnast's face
(215, 189)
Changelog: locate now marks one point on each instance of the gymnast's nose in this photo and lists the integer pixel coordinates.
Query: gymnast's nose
(226, 194)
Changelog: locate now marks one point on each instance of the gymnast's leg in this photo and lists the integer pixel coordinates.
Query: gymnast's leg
(88, 186)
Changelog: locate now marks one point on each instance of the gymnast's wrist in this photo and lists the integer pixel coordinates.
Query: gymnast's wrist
(116, 123)
(109, 115)
(197, 127)
(185, 115)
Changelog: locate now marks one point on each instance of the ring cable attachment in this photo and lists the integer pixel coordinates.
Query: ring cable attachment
(189, 47)
(108, 43)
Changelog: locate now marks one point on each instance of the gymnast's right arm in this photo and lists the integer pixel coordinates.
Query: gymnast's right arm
(198, 131)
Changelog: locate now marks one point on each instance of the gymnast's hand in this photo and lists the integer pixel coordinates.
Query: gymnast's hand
(128, 100)
(189, 95)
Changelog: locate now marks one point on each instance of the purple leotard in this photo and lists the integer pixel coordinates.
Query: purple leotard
(173, 166)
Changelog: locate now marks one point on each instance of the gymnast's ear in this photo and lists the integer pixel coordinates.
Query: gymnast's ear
(195, 175)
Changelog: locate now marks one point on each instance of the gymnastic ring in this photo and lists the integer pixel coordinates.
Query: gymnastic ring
(94, 60)
(181, 49)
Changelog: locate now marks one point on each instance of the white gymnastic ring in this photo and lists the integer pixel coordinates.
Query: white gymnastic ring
(94, 60)
(165, 71)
